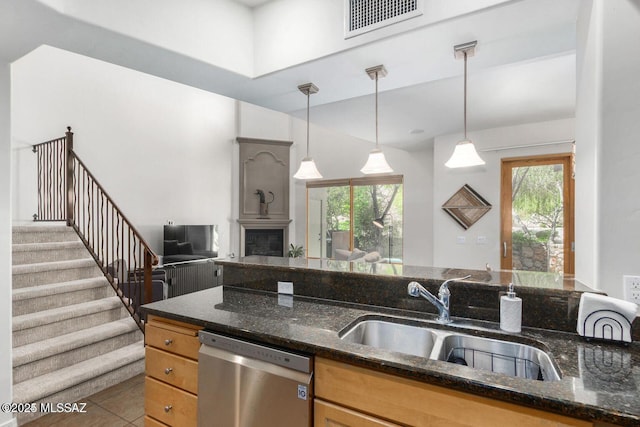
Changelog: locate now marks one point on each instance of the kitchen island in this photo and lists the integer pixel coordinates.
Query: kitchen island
(599, 381)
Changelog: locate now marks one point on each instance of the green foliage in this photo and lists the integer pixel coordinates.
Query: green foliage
(338, 208)
(369, 202)
(537, 194)
(295, 251)
(522, 237)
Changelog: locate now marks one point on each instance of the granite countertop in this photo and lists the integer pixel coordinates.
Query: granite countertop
(599, 381)
(530, 279)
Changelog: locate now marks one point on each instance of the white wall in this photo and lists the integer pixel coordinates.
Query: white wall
(6, 381)
(216, 32)
(341, 156)
(619, 202)
(161, 149)
(315, 28)
(180, 142)
(588, 140)
(486, 181)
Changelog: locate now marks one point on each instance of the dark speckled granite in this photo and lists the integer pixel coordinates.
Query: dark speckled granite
(600, 381)
(550, 301)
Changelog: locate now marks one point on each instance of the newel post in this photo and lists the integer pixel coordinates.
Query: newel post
(69, 177)
(148, 287)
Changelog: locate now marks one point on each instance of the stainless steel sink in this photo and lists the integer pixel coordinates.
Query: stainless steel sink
(504, 357)
(392, 336)
(500, 356)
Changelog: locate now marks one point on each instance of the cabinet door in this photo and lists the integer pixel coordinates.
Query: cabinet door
(329, 415)
(419, 404)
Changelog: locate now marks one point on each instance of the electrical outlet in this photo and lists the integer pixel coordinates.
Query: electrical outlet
(285, 288)
(632, 288)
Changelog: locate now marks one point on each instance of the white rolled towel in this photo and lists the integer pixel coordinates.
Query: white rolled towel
(604, 317)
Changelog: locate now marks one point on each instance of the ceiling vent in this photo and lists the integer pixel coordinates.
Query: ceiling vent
(362, 16)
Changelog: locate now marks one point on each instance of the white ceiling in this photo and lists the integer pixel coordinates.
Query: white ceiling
(252, 3)
(523, 70)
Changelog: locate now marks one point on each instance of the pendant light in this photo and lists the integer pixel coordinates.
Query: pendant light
(465, 154)
(308, 169)
(376, 163)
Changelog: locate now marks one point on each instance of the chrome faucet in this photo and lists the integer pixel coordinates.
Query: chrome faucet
(415, 289)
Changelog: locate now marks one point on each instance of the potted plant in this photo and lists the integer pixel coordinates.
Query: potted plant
(295, 251)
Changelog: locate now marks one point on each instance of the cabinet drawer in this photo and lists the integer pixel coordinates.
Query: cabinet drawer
(150, 422)
(170, 368)
(330, 415)
(170, 405)
(172, 339)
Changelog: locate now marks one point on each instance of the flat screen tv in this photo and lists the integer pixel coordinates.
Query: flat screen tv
(189, 242)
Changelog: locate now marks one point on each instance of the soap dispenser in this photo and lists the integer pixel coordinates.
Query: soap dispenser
(510, 311)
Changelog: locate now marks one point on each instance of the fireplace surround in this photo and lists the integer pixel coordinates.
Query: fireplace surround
(264, 237)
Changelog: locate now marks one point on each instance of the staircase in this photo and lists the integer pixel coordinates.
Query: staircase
(72, 336)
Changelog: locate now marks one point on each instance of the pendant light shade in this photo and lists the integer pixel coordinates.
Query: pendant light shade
(308, 169)
(464, 154)
(376, 163)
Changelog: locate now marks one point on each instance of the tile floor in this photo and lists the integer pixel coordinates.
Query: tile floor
(119, 406)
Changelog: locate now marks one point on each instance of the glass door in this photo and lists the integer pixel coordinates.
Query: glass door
(537, 214)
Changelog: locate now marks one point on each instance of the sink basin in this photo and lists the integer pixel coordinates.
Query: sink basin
(500, 356)
(392, 336)
(504, 357)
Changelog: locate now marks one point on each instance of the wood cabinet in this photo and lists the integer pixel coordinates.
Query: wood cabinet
(352, 396)
(171, 383)
(327, 414)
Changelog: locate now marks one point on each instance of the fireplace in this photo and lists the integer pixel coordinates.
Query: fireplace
(268, 242)
(263, 237)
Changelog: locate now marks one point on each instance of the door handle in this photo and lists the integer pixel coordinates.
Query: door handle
(504, 249)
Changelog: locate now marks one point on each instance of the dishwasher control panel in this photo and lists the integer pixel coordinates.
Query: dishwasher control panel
(256, 351)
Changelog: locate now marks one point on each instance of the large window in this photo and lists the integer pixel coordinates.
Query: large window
(355, 219)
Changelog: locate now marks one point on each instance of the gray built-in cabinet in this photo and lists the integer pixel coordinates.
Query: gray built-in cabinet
(264, 175)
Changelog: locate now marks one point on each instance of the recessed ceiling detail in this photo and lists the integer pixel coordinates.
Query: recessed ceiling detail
(362, 16)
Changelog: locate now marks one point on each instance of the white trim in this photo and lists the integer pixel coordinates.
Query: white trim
(536, 144)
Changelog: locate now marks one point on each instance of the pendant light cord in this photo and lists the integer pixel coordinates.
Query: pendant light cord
(308, 96)
(465, 95)
(377, 146)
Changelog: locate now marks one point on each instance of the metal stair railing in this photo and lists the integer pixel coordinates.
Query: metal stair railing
(68, 191)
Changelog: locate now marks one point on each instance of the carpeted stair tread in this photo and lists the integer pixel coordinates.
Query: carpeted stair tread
(60, 344)
(41, 228)
(31, 253)
(53, 266)
(43, 233)
(59, 314)
(46, 246)
(58, 288)
(45, 385)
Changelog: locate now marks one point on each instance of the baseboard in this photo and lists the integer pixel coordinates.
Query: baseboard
(13, 422)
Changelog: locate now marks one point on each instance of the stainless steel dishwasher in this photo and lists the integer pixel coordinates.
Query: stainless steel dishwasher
(242, 384)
